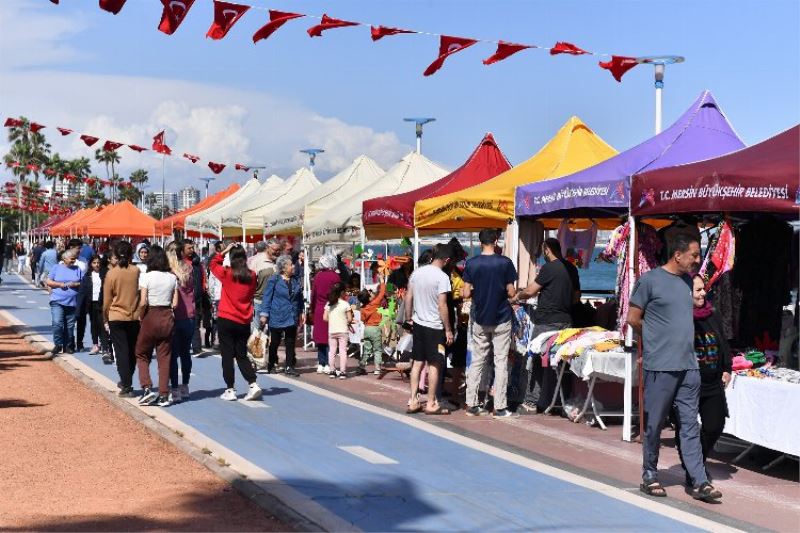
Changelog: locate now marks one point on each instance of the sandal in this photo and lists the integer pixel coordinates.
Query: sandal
(706, 492)
(653, 488)
(439, 411)
(414, 410)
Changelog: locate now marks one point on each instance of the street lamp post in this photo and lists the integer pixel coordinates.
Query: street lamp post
(419, 121)
(312, 156)
(660, 63)
(208, 180)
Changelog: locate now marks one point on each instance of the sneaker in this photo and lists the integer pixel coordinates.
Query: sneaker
(320, 369)
(326, 369)
(504, 413)
(126, 392)
(175, 392)
(148, 397)
(332, 375)
(108, 359)
(290, 371)
(120, 385)
(476, 410)
(57, 350)
(184, 390)
(80, 348)
(164, 400)
(229, 395)
(95, 350)
(361, 371)
(527, 409)
(376, 372)
(254, 393)
(69, 350)
(342, 375)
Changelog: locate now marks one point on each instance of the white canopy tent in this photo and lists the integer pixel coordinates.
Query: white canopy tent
(208, 220)
(272, 186)
(342, 221)
(363, 172)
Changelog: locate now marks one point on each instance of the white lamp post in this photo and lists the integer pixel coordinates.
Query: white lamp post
(660, 63)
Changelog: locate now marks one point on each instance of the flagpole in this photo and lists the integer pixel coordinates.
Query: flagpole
(163, 183)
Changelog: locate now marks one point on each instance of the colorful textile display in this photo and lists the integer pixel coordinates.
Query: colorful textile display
(577, 245)
(720, 254)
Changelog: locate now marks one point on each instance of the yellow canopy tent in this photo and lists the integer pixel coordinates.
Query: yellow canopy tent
(491, 203)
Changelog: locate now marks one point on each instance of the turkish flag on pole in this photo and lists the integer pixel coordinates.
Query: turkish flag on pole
(111, 146)
(136, 147)
(619, 65)
(239, 166)
(567, 48)
(329, 23)
(13, 123)
(192, 158)
(112, 6)
(448, 46)
(159, 146)
(216, 168)
(276, 20)
(64, 131)
(505, 50)
(379, 32)
(89, 140)
(174, 13)
(34, 127)
(226, 14)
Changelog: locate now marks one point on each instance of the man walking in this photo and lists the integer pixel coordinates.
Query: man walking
(263, 264)
(489, 279)
(48, 260)
(36, 256)
(426, 308)
(661, 312)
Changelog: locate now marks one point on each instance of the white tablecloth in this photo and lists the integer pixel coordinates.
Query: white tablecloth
(765, 412)
(608, 366)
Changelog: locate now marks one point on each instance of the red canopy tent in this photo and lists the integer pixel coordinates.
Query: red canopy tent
(44, 228)
(762, 178)
(390, 217)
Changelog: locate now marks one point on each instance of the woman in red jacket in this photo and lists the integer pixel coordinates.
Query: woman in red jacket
(234, 317)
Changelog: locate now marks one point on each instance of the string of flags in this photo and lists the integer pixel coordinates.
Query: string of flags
(227, 14)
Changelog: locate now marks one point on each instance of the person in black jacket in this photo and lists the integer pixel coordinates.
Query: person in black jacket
(714, 359)
(90, 301)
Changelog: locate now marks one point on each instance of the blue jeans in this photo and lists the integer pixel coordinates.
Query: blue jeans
(181, 349)
(63, 318)
(322, 354)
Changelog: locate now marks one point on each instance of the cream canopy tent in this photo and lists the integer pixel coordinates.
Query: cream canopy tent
(342, 221)
(255, 212)
(208, 220)
(231, 214)
(360, 174)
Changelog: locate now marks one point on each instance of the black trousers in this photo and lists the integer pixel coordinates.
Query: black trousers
(233, 345)
(80, 326)
(123, 338)
(713, 409)
(99, 334)
(275, 337)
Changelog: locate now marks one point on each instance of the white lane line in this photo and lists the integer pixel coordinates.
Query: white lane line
(254, 404)
(29, 302)
(43, 308)
(370, 456)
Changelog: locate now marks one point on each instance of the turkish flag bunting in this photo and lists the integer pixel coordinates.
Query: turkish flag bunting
(192, 158)
(159, 146)
(226, 14)
(13, 123)
(505, 50)
(89, 140)
(379, 32)
(567, 48)
(110, 146)
(174, 13)
(619, 65)
(276, 20)
(216, 168)
(239, 166)
(64, 131)
(34, 127)
(137, 147)
(112, 6)
(448, 46)
(329, 23)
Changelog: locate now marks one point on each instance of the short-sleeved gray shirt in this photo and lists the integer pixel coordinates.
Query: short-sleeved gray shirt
(668, 325)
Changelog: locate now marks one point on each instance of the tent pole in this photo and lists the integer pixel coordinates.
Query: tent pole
(416, 247)
(627, 393)
(363, 253)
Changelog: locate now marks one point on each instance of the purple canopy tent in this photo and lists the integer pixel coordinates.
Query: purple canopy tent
(603, 190)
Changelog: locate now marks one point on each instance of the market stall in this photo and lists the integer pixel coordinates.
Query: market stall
(177, 221)
(122, 219)
(250, 218)
(208, 220)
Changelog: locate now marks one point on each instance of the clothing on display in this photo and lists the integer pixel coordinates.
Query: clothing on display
(720, 254)
(577, 245)
(531, 237)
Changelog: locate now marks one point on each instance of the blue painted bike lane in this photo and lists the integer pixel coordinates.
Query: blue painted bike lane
(376, 472)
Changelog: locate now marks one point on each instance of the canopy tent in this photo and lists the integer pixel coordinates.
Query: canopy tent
(208, 220)
(491, 204)
(122, 219)
(289, 220)
(603, 190)
(177, 221)
(298, 185)
(44, 228)
(233, 210)
(762, 178)
(391, 217)
(342, 222)
(68, 226)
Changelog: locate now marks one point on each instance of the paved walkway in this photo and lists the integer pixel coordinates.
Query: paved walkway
(351, 464)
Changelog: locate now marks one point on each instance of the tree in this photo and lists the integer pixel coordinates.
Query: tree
(109, 157)
(138, 179)
(29, 152)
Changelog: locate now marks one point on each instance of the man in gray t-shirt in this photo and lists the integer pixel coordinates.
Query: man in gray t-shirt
(661, 312)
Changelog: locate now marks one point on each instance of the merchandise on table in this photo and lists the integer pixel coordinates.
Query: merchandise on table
(787, 375)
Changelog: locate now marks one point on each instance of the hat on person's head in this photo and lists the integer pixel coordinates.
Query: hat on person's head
(328, 261)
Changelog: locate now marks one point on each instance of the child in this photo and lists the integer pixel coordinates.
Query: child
(371, 318)
(338, 315)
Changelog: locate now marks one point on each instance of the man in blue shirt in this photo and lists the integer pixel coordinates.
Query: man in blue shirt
(489, 280)
(48, 260)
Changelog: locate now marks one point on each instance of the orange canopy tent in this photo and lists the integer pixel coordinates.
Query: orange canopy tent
(120, 220)
(70, 225)
(177, 221)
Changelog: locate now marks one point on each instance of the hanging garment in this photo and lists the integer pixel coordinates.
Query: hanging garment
(577, 246)
(531, 236)
(720, 254)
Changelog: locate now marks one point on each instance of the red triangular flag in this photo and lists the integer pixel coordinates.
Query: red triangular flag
(329, 23)
(111, 146)
(448, 46)
(64, 131)
(619, 65)
(216, 168)
(562, 47)
(226, 14)
(505, 50)
(239, 166)
(112, 6)
(13, 123)
(159, 146)
(89, 140)
(379, 32)
(34, 127)
(276, 20)
(174, 13)
(192, 158)
(137, 147)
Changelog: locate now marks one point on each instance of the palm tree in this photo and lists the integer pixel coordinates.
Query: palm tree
(108, 157)
(30, 150)
(139, 178)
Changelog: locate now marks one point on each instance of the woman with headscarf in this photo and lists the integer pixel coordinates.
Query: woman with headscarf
(321, 286)
(140, 257)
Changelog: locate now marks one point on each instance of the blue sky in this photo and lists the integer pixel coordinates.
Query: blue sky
(118, 77)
